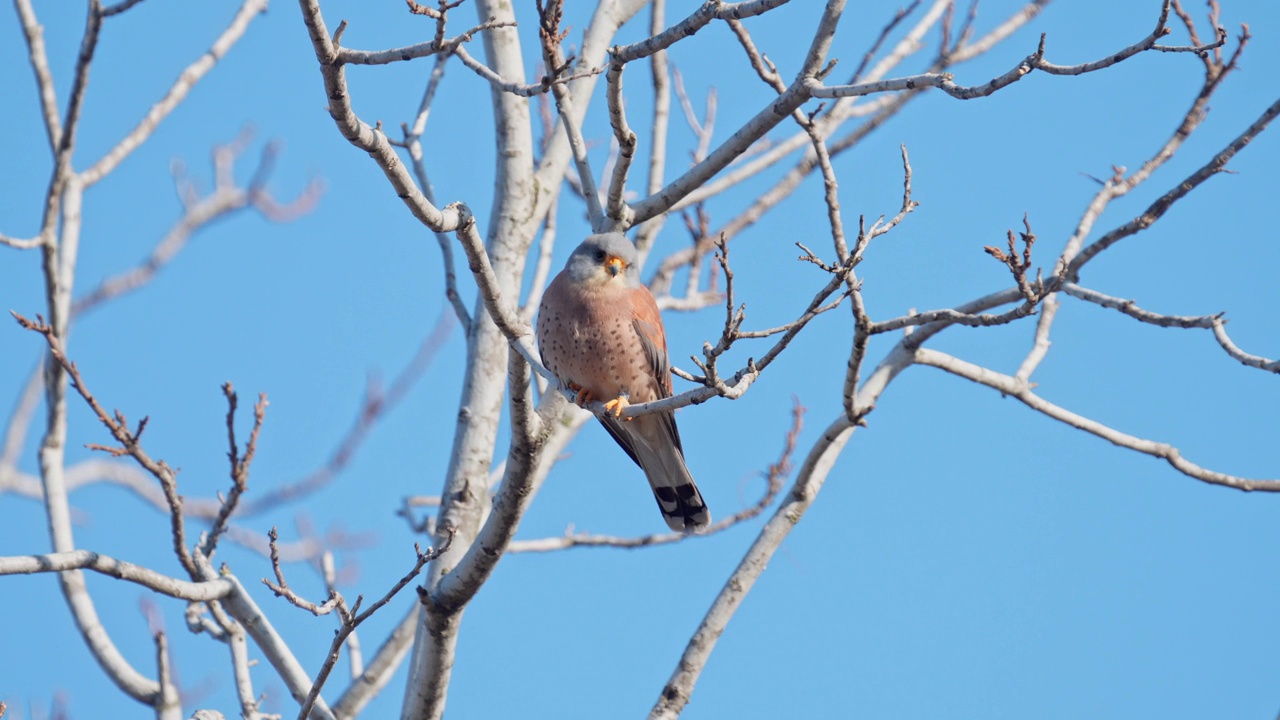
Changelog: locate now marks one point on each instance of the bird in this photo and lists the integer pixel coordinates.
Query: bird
(600, 334)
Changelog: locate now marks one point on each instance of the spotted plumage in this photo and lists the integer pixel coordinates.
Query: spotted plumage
(600, 333)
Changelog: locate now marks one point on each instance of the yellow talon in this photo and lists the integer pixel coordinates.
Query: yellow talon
(581, 396)
(617, 405)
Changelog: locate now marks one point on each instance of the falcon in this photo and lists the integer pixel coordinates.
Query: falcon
(600, 334)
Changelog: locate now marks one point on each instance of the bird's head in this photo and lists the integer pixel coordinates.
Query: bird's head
(602, 259)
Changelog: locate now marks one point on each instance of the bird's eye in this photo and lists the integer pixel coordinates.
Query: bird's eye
(600, 255)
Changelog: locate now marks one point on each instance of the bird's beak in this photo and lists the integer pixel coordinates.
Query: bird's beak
(614, 266)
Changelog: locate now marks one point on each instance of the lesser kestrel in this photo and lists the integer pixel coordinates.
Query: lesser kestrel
(600, 334)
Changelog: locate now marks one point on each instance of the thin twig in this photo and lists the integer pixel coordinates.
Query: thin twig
(127, 438)
(239, 466)
(350, 618)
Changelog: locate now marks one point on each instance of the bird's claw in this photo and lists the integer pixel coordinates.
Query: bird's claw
(581, 396)
(617, 405)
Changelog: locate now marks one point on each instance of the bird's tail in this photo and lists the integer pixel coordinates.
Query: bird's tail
(673, 487)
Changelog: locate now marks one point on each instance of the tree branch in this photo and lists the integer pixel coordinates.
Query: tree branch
(369, 139)
(128, 439)
(380, 670)
(1158, 208)
(1217, 323)
(118, 569)
(1012, 386)
(456, 588)
(225, 199)
(187, 80)
(39, 60)
(413, 143)
(444, 48)
(809, 480)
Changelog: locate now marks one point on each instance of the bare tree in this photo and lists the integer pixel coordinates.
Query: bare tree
(515, 422)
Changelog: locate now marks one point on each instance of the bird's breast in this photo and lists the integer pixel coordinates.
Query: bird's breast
(597, 351)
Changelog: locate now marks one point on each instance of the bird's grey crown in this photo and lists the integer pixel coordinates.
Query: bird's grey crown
(587, 260)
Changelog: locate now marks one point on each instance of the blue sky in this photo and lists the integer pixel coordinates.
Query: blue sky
(967, 557)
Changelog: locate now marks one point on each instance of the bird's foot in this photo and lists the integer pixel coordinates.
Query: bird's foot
(581, 396)
(617, 405)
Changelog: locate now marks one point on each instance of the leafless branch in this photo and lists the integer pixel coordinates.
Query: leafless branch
(460, 584)
(1130, 308)
(862, 320)
(550, 34)
(309, 547)
(1158, 208)
(1012, 386)
(350, 618)
(707, 12)
(1256, 361)
(1019, 265)
(236, 616)
(842, 110)
(879, 227)
(79, 82)
(420, 50)
(542, 270)
(625, 138)
(39, 60)
(517, 331)
(226, 199)
(187, 80)
(1035, 61)
(119, 569)
(898, 17)
(547, 83)
(658, 74)
(413, 143)
(371, 140)
(809, 479)
(808, 482)
(281, 587)
(128, 439)
(704, 129)
(168, 703)
(1040, 345)
(15, 433)
(239, 465)
(119, 7)
(379, 671)
(355, 656)
(1216, 323)
(21, 243)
